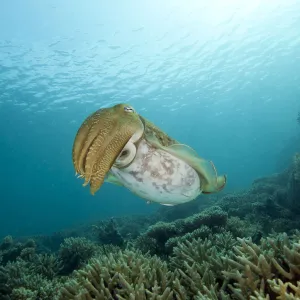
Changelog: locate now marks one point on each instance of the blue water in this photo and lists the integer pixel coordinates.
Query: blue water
(220, 76)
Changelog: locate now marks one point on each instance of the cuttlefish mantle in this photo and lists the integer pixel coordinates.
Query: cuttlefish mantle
(119, 146)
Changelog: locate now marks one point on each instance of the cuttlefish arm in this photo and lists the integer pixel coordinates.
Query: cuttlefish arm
(100, 141)
(210, 181)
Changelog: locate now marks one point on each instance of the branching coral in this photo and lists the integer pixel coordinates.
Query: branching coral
(258, 269)
(123, 275)
(241, 228)
(203, 232)
(10, 251)
(74, 252)
(199, 263)
(19, 281)
(294, 184)
(219, 268)
(158, 235)
(272, 203)
(48, 265)
(226, 252)
(108, 233)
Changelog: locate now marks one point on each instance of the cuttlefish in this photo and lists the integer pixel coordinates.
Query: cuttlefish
(119, 146)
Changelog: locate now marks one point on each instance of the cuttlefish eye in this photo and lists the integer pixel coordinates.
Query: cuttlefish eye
(129, 109)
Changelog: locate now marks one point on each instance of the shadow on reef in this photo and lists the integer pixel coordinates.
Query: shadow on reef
(230, 246)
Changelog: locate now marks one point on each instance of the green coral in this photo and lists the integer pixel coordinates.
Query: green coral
(219, 266)
(107, 233)
(231, 251)
(10, 250)
(199, 262)
(257, 266)
(270, 204)
(19, 280)
(75, 252)
(161, 237)
(294, 184)
(222, 267)
(48, 265)
(296, 167)
(203, 232)
(123, 275)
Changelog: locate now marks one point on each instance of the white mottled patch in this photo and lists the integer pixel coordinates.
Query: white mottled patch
(158, 176)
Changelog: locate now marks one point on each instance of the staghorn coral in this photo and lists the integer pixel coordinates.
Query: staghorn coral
(241, 228)
(19, 281)
(294, 183)
(7, 243)
(107, 233)
(203, 232)
(10, 250)
(257, 266)
(123, 275)
(38, 276)
(48, 265)
(286, 291)
(74, 253)
(51, 243)
(158, 235)
(217, 254)
(130, 227)
(219, 268)
(270, 204)
(199, 263)
(146, 244)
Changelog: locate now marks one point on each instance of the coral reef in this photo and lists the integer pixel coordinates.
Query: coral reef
(10, 250)
(294, 184)
(235, 246)
(123, 275)
(240, 269)
(266, 204)
(27, 275)
(107, 233)
(74, 252)
(160, 238)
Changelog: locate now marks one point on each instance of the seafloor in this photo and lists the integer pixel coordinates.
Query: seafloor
(243, 245)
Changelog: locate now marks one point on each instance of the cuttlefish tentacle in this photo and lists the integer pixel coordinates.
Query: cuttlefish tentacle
(106, 159)
(81, 139)
(92, 132)
(100, 140)
(97, 149)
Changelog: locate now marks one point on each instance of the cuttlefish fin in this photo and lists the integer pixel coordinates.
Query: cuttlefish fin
(211, 182)
(113, 179)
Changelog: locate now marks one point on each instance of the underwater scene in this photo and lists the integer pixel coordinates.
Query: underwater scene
(150, 150)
